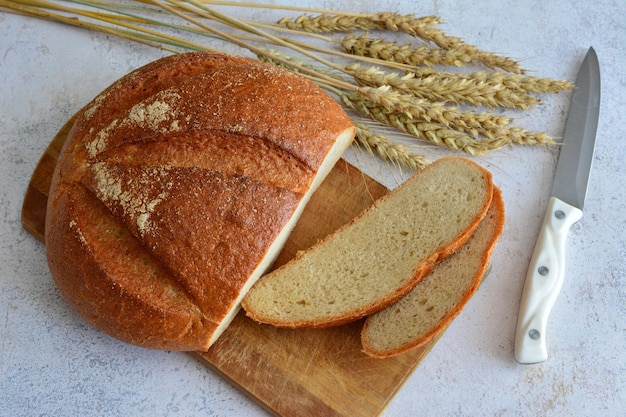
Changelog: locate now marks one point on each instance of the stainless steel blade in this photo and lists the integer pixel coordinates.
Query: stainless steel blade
(574, 165)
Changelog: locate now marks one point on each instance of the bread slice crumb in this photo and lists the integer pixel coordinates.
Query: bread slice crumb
(382, 254)
(438, 298)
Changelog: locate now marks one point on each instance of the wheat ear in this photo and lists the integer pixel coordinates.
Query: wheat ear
(435, 133)
(378, 48)
(520, 84)
(331, 23)
(441, 88)
(453, 43)
(438, 112)
(388, 150)
(445, 135)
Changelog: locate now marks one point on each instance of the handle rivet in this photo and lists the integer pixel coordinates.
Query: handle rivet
(534, 334)
(543, 270)
(559, 214)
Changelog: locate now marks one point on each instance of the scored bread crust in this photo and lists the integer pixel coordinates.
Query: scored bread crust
(392, 331)
(176, 188)
(310, 291)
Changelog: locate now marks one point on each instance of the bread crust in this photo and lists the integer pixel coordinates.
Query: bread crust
(172, 186)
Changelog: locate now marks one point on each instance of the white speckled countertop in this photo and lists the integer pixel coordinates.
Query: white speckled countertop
(52, 363)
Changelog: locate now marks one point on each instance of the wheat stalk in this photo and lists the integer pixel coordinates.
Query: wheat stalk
(34, 8)
(410, 95)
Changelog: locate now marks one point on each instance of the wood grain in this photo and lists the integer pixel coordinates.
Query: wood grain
(320, 372)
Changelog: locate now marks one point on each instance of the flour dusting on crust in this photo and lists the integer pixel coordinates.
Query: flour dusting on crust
(134, 196)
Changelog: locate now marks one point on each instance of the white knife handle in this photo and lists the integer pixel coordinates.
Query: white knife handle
(543, 282)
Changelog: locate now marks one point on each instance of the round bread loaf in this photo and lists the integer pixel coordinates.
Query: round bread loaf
(177, 187)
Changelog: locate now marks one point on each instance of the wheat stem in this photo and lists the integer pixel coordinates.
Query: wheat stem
(283, 7)
(318, 77)
(36, 11)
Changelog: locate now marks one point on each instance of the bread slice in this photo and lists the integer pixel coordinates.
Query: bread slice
(178, 186)
(438, 298)
(379, 256)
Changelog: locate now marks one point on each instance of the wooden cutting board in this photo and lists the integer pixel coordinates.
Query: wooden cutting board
(320, 372)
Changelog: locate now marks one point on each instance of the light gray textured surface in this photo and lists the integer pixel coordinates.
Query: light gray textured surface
(52, 363)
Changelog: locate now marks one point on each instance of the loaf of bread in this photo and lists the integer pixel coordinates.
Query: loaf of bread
(379, 256)
(438, 298)
(178, 186)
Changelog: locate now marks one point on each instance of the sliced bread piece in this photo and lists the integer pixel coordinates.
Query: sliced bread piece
(379, 256)
(438, 298)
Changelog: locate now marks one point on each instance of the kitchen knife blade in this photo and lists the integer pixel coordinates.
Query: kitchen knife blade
(546, 270)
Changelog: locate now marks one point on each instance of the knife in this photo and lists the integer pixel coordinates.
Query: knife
(546, 271)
